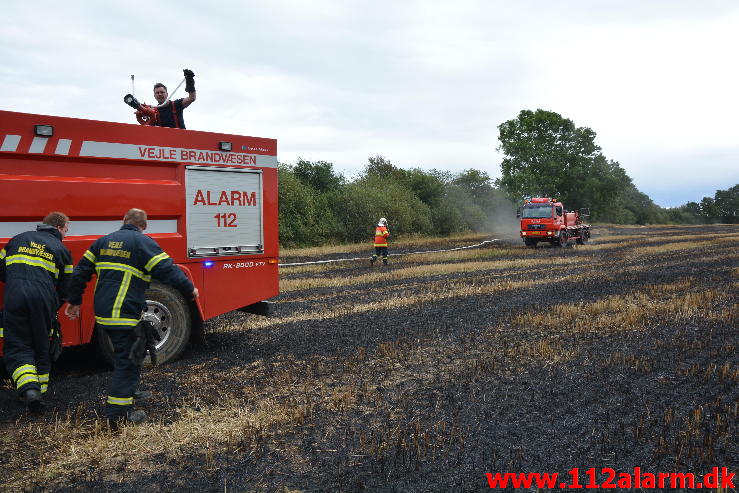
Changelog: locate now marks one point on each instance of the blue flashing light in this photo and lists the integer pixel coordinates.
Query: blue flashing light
(208, 263)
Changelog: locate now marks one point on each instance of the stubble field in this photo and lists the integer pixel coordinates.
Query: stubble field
(424, 375)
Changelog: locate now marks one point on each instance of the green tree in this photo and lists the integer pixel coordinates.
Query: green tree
(683, 214)
(694, 209)
(727, 204)
(709, 210)
(383, 168)
(465, 209)
(428, 187)
(367, 199)
(301, 213)
(320, 175)
(477, 183)
(547, 155)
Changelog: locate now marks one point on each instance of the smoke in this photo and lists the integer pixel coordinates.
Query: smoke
(502, 221)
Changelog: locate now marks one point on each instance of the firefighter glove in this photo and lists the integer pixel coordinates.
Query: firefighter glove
(151, 343)
(189, 80)
(55, 343)
(138, 348)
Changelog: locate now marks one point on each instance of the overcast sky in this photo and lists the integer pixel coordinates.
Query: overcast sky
(422, 83)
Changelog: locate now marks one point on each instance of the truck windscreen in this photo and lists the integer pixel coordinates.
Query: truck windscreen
(537, 211)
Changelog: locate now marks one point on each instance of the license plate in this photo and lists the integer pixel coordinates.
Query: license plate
(536, 232)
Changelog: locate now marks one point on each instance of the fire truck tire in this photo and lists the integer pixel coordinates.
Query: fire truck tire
(530, 243)
(584, 237)
(561, 241)
(168, 311)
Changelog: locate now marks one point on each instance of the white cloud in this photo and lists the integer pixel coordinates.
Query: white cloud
(424, 83)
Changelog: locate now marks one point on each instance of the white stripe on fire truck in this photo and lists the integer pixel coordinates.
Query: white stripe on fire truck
(10, 143)
(62, 147)
(38, 145)
(175, 154)
(89, 228)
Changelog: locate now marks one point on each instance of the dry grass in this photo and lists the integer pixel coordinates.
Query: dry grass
(240, 427)
(420, 271)
(670, 243)
(406, 242)
(283, 398)
(633, 311)
(233, 427)
(417, 258)
(436, 292)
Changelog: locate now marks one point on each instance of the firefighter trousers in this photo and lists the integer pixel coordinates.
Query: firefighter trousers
(380, 251)
(28, 312)
(126, 374)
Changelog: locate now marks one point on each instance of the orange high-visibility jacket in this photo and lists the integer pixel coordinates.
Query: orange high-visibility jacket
(381, 236)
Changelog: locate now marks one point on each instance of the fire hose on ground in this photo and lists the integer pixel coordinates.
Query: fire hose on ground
(477, 245)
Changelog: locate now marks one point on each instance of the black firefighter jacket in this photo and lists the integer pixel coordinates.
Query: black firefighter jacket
(125, 262)
(38, 258)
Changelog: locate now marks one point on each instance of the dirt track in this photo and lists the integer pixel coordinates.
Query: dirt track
(424, 375)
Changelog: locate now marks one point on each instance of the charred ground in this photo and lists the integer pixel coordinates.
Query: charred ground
(424, 375)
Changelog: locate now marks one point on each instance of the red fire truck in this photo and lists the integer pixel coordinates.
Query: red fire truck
(544, 220)
(211, 200)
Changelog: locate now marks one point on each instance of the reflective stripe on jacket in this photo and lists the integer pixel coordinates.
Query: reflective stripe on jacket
(381, 236)
(37, 256)
(125, 262)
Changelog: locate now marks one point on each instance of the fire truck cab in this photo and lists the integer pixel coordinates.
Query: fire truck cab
(211, 201)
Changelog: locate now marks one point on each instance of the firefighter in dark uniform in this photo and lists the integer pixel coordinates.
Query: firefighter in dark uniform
(36, 268)
(171, 112)
(125, 262)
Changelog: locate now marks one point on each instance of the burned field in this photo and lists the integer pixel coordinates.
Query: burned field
(424, 375)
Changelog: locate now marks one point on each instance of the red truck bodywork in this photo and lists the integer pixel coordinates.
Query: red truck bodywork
(544, 219)
(95, 171)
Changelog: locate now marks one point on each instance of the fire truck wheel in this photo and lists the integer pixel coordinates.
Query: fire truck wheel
(168, 311)
(561, 241)
(584, 237)
(530, 243)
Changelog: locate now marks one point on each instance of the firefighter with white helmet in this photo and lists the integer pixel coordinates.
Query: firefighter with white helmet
(381, 236)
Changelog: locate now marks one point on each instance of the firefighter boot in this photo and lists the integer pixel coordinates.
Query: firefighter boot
(131, 417)
(136, 417)
(142, 396)
(33, 400)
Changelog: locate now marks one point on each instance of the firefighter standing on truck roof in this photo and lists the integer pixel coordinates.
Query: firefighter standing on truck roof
(125, 262)
(381, 236)
(170, 114)
(35, 267)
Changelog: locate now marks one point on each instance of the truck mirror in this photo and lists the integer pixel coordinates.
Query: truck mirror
(518, 212)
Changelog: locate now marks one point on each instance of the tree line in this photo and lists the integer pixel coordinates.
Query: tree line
(320, 206)
(544, 155)
(548, 155)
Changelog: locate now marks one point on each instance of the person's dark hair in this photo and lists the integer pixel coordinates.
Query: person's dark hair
(159, 84)
(56, 219)
(137, 217)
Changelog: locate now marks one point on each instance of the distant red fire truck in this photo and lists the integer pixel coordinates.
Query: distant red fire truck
(211, 200)
(544, 220)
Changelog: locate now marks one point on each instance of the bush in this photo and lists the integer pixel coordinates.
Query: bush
(365, 200)
(302, 213)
